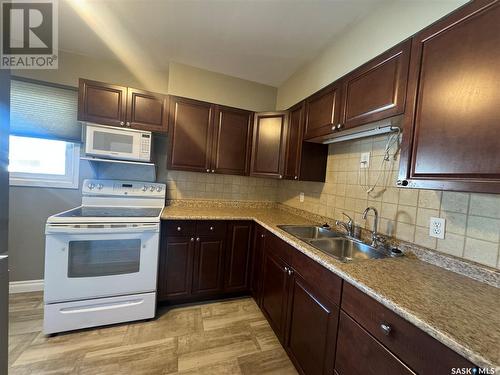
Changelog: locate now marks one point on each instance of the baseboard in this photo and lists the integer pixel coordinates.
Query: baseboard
(25, 286)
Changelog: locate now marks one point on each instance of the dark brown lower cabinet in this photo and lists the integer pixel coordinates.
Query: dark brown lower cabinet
(311, 328)
(238, 253)
(208, 266)
(358, 353)
(259, 242)
(175, 267)
(274, 292)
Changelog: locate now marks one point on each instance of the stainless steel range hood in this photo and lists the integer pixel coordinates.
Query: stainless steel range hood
(376, 128)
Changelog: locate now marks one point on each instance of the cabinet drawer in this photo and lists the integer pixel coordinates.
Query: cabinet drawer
(180, 228)
(422, 353)
(359, 353)
(316, 274)
(279, 248)
(211, 228)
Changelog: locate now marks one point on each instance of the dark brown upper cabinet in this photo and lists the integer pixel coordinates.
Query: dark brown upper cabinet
(102, 103)
(304, 161)
(114, 105)
(269, 144)
(451, 123)
(376, 90)
(232, 140)
(191, 130)
(322, 111)
(147, 110)
(206, 137)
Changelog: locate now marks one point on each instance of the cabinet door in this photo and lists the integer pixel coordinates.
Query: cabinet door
(102, 103)
(237, 270)
(294, 142)
(323, 111)
(274, 293)
(268, 146)
(147, 111)
(232, 135)
(305, 161)
(190, 125)
(360, 354)
(257, 261)
(311, 327)
(450, 137)
(175, 267)
(208, 266)
(377, 90)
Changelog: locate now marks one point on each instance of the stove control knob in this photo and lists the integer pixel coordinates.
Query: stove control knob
(144, 188)
(159, 189)
(91, 186)
(100, 186)
(152, 188)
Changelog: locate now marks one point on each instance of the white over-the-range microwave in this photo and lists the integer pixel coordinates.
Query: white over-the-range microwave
(116, 143)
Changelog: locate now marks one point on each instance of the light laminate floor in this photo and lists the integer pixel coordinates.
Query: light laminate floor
(230, 337)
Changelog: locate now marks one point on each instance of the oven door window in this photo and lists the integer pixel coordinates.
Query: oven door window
(112, 142)
(103, 257)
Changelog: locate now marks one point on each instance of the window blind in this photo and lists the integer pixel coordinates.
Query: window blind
(44, 111)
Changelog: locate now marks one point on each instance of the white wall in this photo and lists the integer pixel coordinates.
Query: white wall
(388, 25)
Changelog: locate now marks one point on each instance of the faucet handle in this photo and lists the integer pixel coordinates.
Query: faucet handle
(350, 218)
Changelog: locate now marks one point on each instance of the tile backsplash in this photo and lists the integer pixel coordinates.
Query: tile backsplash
(472, 220)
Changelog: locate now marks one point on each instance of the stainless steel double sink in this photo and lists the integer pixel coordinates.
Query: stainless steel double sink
(335, 244)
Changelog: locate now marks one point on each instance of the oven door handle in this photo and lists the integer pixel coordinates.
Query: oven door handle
(101, 307)
(101, 228)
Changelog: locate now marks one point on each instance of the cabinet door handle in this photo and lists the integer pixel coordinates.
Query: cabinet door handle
(281, 176)
(213, 170)
(339, 126)
(385, 328)
(128, 124)
(197, 239)
(211, 228)
(208, 170)
(333, 127)
(192, 239)
(286, 269)
(179, 229)
(296, 177)
(262, 235)
(122, 123)
(290, 272)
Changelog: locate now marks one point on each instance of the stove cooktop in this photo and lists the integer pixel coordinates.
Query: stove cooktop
(109, 212)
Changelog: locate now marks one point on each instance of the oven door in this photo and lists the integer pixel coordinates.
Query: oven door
(85, 262)
(115, 143)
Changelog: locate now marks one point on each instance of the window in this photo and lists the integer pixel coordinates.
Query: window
(43, 162)
(45, 134)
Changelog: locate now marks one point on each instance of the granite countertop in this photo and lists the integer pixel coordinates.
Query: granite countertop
(460, 312)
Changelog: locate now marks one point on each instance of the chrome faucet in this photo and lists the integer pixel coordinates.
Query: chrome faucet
(349, 226)
(376, 239)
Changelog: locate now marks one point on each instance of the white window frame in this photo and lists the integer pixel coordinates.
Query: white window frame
(70, 180)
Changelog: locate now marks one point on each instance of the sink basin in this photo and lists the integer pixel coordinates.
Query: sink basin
(333, 243)
(346, 250)
(309, 232)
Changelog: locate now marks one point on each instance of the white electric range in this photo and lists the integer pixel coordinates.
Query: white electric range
(101, 258)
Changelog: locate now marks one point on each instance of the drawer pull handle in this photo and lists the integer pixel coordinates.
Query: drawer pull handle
(385, 328)
(179, 229)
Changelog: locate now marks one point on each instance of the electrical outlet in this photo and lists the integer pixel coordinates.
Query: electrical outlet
(436, 227)
(365, 160)
(301, 197)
